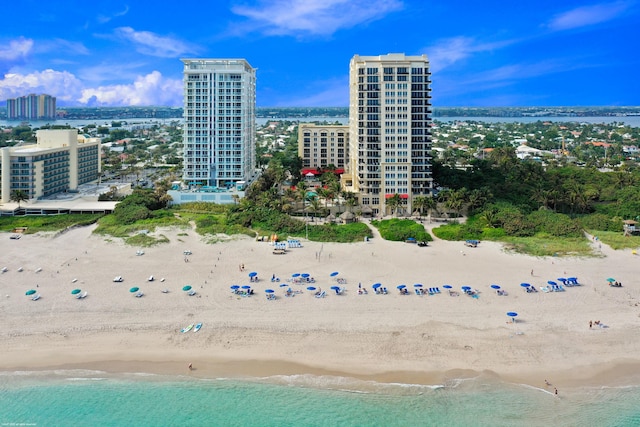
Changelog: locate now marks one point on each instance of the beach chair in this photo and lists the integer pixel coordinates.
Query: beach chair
(140, 294)
(321, 294)
(191, 293)
(36, 297)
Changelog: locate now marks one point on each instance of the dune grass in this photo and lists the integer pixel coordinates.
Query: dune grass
(544, 245)
(616, 240)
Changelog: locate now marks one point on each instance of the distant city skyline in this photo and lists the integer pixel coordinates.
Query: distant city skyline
(490, 53)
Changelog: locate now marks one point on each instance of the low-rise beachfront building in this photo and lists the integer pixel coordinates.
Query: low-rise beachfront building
(322, 145)
(59, 161)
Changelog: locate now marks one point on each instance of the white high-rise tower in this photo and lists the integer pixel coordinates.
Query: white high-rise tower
(219, 122)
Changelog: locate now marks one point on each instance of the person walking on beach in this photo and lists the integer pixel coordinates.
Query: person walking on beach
(190, 366)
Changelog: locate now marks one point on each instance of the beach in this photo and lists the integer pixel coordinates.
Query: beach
(393, 338)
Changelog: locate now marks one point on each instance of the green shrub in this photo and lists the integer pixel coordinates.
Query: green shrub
(399, 230)
(555, 224)
(598, 221)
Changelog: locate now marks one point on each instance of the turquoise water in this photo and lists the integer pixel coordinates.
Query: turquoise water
(90, 398)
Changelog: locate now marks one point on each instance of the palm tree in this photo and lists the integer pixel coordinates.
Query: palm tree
(19, 196)
(393, 203)
(418, 204)
(430, 204)
(314, 206)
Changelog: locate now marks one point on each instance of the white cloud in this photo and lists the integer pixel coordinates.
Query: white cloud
(106, 18)
(447, 52)
(61, 84)
(150, 89)
(588, 15)
(16, 49)
(149, 43)
(57, 45)
(323, 17)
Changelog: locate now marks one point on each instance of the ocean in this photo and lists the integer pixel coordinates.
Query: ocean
(94, 398)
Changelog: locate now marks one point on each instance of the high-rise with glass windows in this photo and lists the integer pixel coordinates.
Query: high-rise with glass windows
(32, 107)
(219, 122)
(389, 126)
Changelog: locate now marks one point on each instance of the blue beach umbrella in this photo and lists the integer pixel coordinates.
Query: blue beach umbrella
(525, 285)
(512, 314)
(447, 286)
(295, 275)
(561, 279)
(305, 275)
(311, 288)
(466, 288)
(401, 286)
(253, 274)
(234, 287)
(283, 285)
(33, 291)
(134, 290)
(186, 288)
(495, 287)
(551, 282)
(376, 285)
(269, 291)
(246, 287)
(417, 285)
(335, 288)
(334, 274)
(611, 280)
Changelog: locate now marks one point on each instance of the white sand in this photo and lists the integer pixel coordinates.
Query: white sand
(390, 337)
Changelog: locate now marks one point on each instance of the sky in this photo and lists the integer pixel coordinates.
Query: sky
(490, 53)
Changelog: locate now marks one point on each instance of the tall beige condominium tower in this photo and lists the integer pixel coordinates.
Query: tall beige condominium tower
(389, 130)
(219, 122)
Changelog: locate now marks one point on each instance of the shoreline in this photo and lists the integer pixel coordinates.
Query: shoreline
(621, 372)
(618, 374)
(404, 339)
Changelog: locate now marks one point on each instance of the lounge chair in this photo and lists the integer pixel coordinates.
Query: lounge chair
(83, 295)
(271, 296)
(191, 293)
(140, 294)
(321, 294)
(36, 297)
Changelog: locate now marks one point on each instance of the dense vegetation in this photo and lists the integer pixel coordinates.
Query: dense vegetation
(34, 224)
(400, 230)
